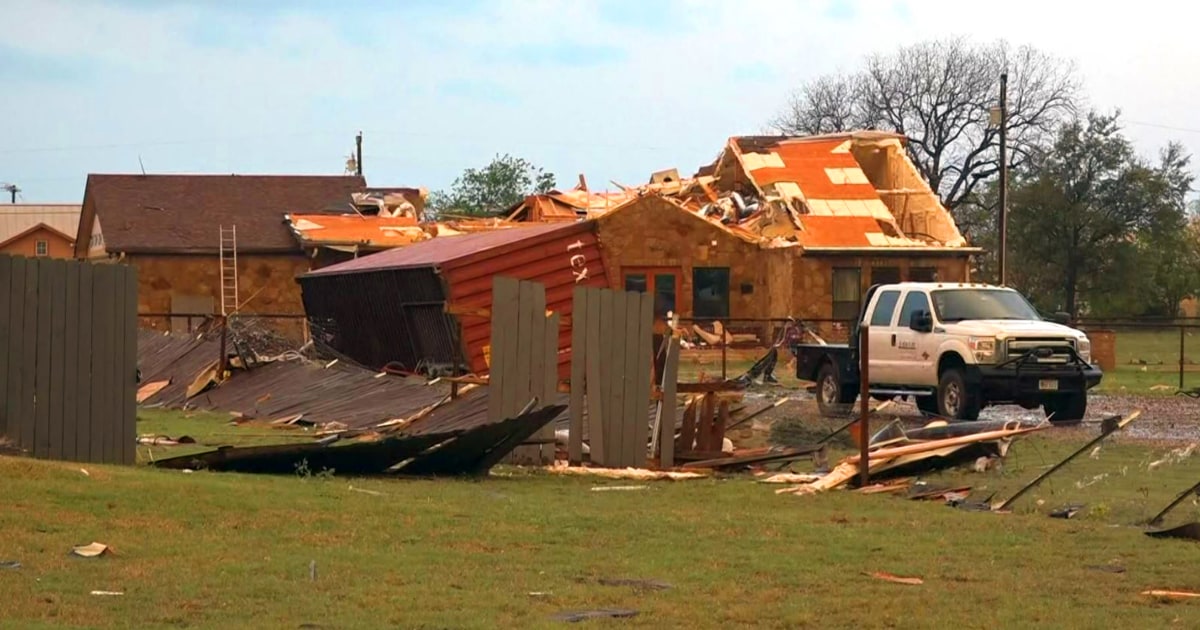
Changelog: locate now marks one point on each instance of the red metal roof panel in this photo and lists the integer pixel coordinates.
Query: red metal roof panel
(442, 250)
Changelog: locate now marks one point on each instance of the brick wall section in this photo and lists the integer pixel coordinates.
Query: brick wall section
(785, 282)
(267, 281)
(656, 233)
(58, 246)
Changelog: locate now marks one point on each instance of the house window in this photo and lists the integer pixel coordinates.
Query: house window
(710, 292)
(885, 275)
(847, 291)
(663, 284)
(42, 248)
(922, 274)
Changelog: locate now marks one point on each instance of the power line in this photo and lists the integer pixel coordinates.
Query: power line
(1170, 127)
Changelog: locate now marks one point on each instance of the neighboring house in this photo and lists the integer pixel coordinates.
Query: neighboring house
(38, 229)
(168, 226)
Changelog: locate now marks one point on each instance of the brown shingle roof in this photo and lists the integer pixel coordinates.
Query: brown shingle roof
(181, 213)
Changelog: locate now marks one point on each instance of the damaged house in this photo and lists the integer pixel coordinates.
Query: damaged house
(788, 227)
(168, 226)
(776, 227)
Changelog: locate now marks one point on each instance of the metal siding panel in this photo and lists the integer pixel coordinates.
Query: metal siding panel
(546, 262)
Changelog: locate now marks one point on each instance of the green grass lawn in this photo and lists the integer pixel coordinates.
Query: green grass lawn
(229, 551)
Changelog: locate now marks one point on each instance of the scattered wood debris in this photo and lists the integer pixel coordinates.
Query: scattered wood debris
(149, 389)
(791, 478)
(574, 616)
(888, 577)
(635, 474)
(1166, 594)
(93, 550)
(643, 585)
(162, 440)
(617, 488)
(1067, 511)
(108, 593)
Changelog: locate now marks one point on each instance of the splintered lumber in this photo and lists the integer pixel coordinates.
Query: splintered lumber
(756, 458)
(885, 458)
(888, 577)
(148, 390)
(1109, 427)
(1166, 594)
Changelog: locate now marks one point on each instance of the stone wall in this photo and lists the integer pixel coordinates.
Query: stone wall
(266, 284)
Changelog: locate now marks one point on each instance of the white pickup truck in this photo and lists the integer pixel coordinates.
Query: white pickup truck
(955, 349)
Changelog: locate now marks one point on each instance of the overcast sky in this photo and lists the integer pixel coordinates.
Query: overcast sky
(613, 89)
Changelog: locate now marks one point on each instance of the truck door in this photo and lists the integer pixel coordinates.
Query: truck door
(915, 351)
(882, 337)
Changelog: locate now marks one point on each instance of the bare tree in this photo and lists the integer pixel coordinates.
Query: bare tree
(939, 94)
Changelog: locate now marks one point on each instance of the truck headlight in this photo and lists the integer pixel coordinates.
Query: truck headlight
(984, 348)
(1083, 347)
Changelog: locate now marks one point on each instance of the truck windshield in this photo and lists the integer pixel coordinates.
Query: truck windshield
(962, 304)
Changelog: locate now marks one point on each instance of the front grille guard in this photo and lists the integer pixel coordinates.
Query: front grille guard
(1073, 358)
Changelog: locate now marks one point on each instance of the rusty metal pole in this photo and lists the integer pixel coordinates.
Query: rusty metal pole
(864, 388)
(221, 362)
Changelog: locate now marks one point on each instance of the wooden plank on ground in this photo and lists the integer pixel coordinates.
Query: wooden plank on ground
(550, 372)
(614, 424)
(579, 323)
(102, 335)
(6, 298)
(29, 353)
(58, 354)
(83, 367)
(595, 357)
(666, 435)
(128, 318)
(644, 371)
(505, 295)
(70, 383)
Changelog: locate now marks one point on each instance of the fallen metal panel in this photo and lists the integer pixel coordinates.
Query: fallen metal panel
(359, 458)
(476, 451)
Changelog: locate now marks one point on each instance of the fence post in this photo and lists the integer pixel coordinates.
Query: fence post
(1182, 330)
(864, 389)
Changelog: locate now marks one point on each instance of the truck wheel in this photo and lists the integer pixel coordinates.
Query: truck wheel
(928, 404)
(1066, 409)
(832, 398)
(955, 400)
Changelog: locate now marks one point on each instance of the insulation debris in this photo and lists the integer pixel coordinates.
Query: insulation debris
(634, 474)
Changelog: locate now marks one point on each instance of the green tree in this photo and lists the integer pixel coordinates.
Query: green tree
(1090, 220)
(492, 189)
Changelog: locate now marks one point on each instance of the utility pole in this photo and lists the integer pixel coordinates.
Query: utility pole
(358, 154)
(1002, 231)
(12, 191)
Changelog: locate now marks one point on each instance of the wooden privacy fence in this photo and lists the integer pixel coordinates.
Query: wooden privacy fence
(68, 359)
(523, 358)
(611, 359)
